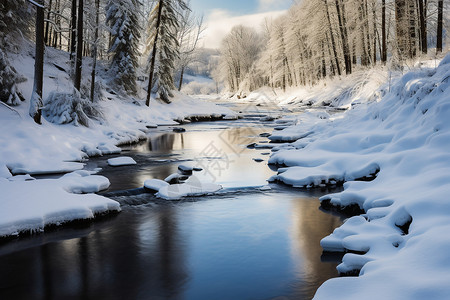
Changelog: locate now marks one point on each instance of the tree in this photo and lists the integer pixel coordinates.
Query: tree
(163, 46)
(94, 54)
(422, 7)
(9, 78)
(344, 38)
(73, 28)
(123, 21)
(79, 57)
(240, 50)
(439, 26)
(383, 32)
(188, 36)
(36, 97)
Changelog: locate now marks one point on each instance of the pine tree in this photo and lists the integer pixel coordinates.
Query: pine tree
(122, 18)
(163, 46)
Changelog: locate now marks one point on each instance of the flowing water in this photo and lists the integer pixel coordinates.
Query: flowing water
(243, 243)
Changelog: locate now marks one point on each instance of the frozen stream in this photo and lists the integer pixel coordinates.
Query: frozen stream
(242, 244)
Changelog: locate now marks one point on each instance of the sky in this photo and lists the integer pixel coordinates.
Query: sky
(220, 16)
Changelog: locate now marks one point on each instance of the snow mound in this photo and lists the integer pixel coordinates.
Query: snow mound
(155, 184)
(121, 161)
(193, 187)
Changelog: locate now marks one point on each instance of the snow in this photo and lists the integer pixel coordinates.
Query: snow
(191, 188)
(29, 206)
(121, 161)
(155, 184)
(62, 145)
(400, 244)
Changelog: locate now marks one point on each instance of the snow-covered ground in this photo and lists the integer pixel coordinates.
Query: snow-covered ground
(27, 149)
(401, 242)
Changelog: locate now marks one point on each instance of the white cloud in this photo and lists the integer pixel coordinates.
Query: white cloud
(219, 23)
(268, 5)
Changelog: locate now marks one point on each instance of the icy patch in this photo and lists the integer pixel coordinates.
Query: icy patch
(121, 161)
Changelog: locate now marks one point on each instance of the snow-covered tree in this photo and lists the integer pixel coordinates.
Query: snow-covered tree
(10, 25)
(162, 45)
(122, 18)
(240, 50)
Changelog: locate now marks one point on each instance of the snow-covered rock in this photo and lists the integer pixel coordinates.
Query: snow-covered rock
(193, 187)
(155, 184)
(121, 161)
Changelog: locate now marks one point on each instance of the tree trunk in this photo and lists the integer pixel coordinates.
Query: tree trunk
(422, 26)
(374, 37)
(439, 26)
(343, 31)
(181, 78)
(47, 23)
(155, 42)
(383, 32)
(332, 38)
(79, 58)
(94, 54)
(364, 54)
(36, 98)
(73, 29)
(324, 66)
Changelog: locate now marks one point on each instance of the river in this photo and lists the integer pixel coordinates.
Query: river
(243, 243)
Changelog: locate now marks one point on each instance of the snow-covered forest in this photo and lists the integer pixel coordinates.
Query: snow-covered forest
(322, 39)
(117, 109)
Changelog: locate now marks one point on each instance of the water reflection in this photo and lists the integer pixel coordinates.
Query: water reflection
(222, 153)
(248, 246)
(307, 230)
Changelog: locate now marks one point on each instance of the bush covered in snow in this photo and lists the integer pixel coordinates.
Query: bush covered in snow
(64, 108)
(8, 80)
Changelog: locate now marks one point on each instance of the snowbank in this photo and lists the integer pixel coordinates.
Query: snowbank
(30, 205)
(401, 242)
(359, 87)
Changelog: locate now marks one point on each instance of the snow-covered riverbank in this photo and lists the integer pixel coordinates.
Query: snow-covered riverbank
(401, 241)
(28, 149)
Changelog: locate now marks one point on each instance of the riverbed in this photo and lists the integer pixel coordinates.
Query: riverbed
(246, 242)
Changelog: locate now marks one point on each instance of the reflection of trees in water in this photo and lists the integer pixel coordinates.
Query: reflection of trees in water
(111, 263)
(309, 226)
(162, 143)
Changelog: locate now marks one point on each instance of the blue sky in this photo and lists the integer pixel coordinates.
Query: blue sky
(239, 7)
(220, 16)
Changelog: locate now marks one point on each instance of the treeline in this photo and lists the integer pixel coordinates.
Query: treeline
(317, 39)
(152, 37)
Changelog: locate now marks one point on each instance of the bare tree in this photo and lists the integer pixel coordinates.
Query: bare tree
(439, 26)
(79, 57)
(188, 37)
(36, 97)
(94, 53)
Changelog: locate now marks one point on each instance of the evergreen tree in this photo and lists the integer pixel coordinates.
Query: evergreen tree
(163, 46)
(122, 18)
(9, 25)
